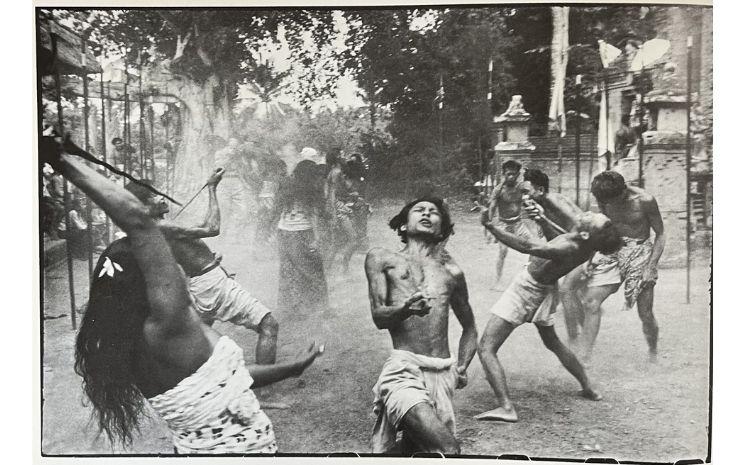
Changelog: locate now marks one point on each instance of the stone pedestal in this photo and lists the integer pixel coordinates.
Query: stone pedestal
(665, 169)
(511, 129)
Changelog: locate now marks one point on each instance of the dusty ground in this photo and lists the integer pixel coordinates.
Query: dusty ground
(650, 412)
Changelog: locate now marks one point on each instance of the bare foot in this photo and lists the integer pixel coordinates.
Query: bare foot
(498, 414)
(589, 393)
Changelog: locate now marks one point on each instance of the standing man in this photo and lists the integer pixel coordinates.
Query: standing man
(216, 295)
(634, 213)
(411, 292)
(529, 299)
(506, 202)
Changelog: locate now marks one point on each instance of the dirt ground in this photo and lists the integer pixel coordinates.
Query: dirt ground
(651, 412)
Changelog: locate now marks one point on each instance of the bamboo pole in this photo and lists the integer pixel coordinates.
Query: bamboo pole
(103, 149)
(88, 204)
(689, 44)
(66, 198)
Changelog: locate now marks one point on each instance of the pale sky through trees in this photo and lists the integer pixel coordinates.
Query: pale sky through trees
(347, 92)
(278, 54)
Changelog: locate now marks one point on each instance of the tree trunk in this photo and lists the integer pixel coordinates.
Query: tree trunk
(205, 111)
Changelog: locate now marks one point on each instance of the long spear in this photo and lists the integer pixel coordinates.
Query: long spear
(70, 147)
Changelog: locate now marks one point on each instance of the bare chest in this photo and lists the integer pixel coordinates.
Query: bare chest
(628, 218)
(509, 195)
(428, 277)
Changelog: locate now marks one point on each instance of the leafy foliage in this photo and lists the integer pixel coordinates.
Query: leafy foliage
(200, 42)
(399, 58)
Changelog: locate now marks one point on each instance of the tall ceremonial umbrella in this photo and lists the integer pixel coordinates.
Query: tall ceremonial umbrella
(648, 53)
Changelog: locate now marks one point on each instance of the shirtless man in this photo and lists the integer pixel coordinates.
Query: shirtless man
(528, 299)
(411, 292)
(542, 205)
(217, 295)
(506, 202)
(634, 213)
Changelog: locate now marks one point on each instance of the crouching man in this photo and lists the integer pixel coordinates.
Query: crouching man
(528, 299)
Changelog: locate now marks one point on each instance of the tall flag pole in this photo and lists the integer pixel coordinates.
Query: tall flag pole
(489, 100)
(440, 99)
(559, 60)
(689, 45)
(491, 80)
(606, 143)
(577, 141)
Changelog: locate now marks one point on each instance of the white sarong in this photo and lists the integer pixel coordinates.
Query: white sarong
(214, 411)
(527, 301)
(408, 379)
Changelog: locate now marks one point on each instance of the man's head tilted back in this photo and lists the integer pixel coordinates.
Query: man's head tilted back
(426, 217)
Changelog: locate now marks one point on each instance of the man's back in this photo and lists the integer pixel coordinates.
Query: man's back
(548, 271)
(562, 211)
(193, 255)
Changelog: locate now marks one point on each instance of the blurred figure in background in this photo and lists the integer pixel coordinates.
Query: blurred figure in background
(302, 282)
(233, 195)
(77, 235)
(273, 172)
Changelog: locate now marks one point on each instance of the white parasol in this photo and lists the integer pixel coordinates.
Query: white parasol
(650, 51)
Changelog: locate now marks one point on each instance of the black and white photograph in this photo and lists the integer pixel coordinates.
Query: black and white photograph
(463, 230)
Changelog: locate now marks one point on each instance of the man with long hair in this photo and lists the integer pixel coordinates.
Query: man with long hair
(141, 339)
(216, 294)
(528, 299)
(411, 293)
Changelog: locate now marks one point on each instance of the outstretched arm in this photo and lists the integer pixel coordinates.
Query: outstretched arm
(268, 374)
(387, 316)
(469, 338)
(167, 292)
(527, 246)
(655, 221)
(210, 227)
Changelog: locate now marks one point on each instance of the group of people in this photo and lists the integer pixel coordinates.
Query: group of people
(579, 258)
(634, 213)
(146, 335)
(71, 220)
